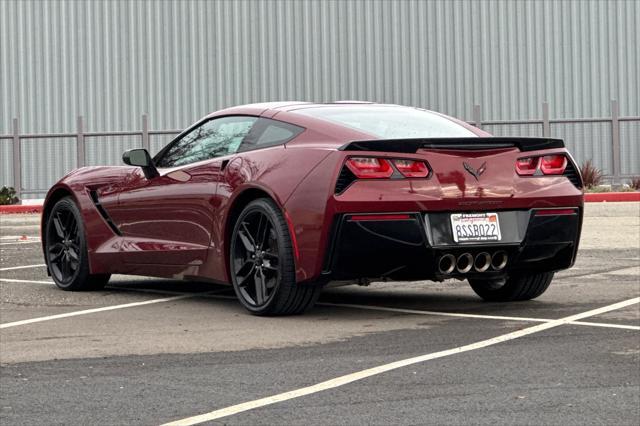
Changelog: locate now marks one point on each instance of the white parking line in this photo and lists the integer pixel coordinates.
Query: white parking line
(17, 243)
(353, 377)
(92, 311)
(103, 309)
(605, 324)
(18, 237)
(438, 313)
(364, 307)
(132, 289)
(455, 314)
(12, 280)
(13, 268)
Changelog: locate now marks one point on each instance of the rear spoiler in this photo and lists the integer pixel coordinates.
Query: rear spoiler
(470, 144)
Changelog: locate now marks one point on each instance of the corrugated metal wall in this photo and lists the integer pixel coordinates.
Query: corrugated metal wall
(112, 61)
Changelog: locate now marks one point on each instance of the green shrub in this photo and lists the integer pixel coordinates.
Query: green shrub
(8, 196)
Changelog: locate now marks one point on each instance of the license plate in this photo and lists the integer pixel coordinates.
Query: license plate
(473, 227)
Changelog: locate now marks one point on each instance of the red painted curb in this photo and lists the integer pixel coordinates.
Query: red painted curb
(599, 197)
(594, 197)
(20, 209)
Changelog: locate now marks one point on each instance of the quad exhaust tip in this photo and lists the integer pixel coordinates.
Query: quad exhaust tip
(447, 264)
(499, 260)
(464, 263)
(482, 262)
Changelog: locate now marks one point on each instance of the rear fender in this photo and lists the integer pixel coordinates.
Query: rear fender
(311, 209)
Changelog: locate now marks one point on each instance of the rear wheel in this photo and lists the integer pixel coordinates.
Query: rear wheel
(514, 288)
(262, 263)
(66, 249)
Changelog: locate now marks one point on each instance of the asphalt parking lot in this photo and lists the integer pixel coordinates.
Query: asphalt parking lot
(150, 351)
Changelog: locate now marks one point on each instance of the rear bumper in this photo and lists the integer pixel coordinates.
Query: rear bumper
(409, 246)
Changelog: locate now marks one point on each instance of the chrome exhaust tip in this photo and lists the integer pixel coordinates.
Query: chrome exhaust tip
(499, 260)
(464, 263)
(482, 262)
(447, 264)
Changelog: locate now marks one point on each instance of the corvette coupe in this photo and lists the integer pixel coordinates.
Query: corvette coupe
(280, 199)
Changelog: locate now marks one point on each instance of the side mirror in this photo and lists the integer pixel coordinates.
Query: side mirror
(141, 158)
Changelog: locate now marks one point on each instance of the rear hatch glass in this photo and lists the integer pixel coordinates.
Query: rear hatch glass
(390, 122)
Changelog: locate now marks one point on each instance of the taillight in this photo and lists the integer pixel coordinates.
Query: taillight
(412, 168)
(553, 164)
(369, 168)
(526, 166)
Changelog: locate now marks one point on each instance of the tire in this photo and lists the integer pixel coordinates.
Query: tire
(66, 249)
(515, 288)
(262, 264)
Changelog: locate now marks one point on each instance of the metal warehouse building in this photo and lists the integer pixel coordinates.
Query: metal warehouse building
(488, 62)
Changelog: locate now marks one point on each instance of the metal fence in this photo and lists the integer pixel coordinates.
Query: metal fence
(534, 127)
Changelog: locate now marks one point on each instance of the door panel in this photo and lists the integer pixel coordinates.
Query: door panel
(168, 219)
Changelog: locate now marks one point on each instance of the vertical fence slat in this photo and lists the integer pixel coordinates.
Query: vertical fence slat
(80, 142)
(546, 126)
(477, 116)
(615, 141)
(17, 157)
(146, 144)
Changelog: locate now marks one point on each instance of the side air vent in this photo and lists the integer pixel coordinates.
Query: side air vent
(103, 213)
(344, 180)
(572, 174)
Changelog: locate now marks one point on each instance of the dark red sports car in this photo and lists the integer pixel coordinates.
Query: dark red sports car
(279, 199)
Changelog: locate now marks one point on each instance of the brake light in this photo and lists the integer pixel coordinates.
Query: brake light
(369, 168)
(412, 168)
(526, 166)
(553, 164)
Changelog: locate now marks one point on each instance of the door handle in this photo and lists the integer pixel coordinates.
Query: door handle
(224, 164)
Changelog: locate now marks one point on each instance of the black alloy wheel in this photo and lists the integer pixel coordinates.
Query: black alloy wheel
(256, 259)
(63, 252)
(65, 249)
(262, 263)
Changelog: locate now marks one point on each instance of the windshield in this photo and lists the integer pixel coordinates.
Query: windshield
(391, 122)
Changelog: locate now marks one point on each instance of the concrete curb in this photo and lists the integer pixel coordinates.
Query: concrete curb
(20, 209)
(599, 197)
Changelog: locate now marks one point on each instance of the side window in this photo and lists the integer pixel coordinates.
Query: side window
(214, 138)
(267, 132)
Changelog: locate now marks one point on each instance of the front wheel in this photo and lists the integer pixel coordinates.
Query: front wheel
(262, 263)
(66, 249)
(513, 288)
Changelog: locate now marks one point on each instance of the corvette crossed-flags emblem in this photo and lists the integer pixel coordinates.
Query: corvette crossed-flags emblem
(476, 173)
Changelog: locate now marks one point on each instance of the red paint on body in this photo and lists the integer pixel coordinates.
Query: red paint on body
(178, 224)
